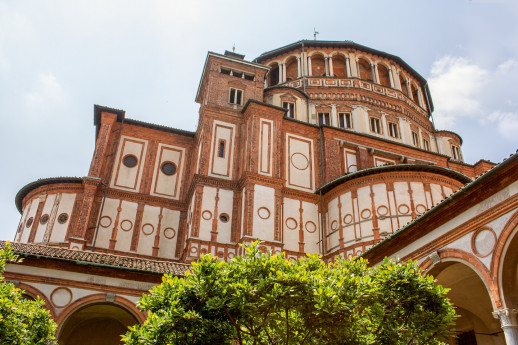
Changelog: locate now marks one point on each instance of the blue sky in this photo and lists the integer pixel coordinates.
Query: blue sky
(59, 58)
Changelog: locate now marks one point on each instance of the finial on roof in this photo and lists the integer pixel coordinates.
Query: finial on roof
(234, 48)
(315, 33)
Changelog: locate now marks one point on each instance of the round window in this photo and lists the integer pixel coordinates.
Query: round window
(62, 219)
(130, 161)
(168, 168)
(223, 217)
(44, 219)
(29, 222)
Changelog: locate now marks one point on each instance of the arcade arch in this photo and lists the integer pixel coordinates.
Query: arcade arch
(383, 73)
(365, 69)
(318, 65)
(273, 75)
(292, 69)
(339, 66)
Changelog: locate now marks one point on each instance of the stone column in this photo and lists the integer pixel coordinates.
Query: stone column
(409, 89)
(309, 66)
(280, 73)
(299, 69)
(374, 71)
(348, 67)
(326, 61)
(331, 72)
(509, 324)
(391, 78)
(283, 72)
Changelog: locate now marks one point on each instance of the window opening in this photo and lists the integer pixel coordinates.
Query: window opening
(235, 96)
(375, 125)
(249, 77)
(393, 130)
(415, 139)
(345, 120)
(221, 149)
(426, 145)
(323, 119)
(291, 109)
(225, 71)
(455, 151)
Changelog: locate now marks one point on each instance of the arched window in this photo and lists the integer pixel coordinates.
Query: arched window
(365, 69)
(402, 81)
(383, 73)
(415, 93)
(273, 76)
(318, 65)
(339, 66)
(292, 69)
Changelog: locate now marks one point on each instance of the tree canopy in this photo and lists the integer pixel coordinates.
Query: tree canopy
(261, 298)
(22, 321)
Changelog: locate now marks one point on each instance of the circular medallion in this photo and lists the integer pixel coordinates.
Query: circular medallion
(483, 242)
(126, 225)
(403, 209)
(382, 210)
(366, 213)
(334, 225)
(44, 219)
(348, 218)
(106, 221)
(29, 222)
(147, 229)
(61, 297)
(169, 233)
(206, 215)
(130, 161)
(263, 213)
(311, 227)
(62, 218)
(420, 209)
(299, 161)
(194, 250)
(168, 168)
(230, 255)
(291, 223)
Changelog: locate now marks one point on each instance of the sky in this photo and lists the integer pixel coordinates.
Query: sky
(59, 58)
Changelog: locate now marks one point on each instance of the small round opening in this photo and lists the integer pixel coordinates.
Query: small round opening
(168, 168)
(223, 217)
(130, 161)
(44, 219)
(62, 219)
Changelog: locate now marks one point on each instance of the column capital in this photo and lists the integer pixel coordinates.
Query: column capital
(508, 317)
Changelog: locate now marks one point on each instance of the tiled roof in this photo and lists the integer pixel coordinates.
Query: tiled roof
(97, 259)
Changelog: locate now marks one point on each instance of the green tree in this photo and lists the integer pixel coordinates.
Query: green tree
(261, 298)
(22, 321)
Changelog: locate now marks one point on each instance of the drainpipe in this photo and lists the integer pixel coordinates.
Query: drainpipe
(106, 184)
(304, 80)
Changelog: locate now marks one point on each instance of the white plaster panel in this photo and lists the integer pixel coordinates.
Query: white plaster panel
(265, 147)
(148, 230)
(169, 233)
(225, 205)
(168, 186)
(382, 207)
(125, 177)
(312, 231)
(291, 224)
(264, 213)
(349, 217)
(299, 162)
(402, 202)
(243, 195)
(419, 197)
(24, 237)
(21, 224)
(365, 208)
(47, 209)
(126, 225)
(333, 224)
(107, 223)
(66, 205)
(208, 203)
(436, 192)
(380, 161)
(222, 166)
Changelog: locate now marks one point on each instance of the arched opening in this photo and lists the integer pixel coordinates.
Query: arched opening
(318, 65)
(97, 324)
(273, 75)
(365, 69)
(476, 324)
(339, 66)
(509, 272)
(383, 73)
(404, 87)
(292, 69)
(415, 93)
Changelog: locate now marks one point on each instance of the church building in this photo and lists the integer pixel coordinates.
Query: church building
(324, 147)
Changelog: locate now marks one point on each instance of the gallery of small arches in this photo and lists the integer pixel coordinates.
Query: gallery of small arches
(338, 64)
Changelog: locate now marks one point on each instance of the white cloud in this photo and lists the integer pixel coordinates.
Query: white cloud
(48, 91)
(507, 65)
(456, 83)
(507, 124)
